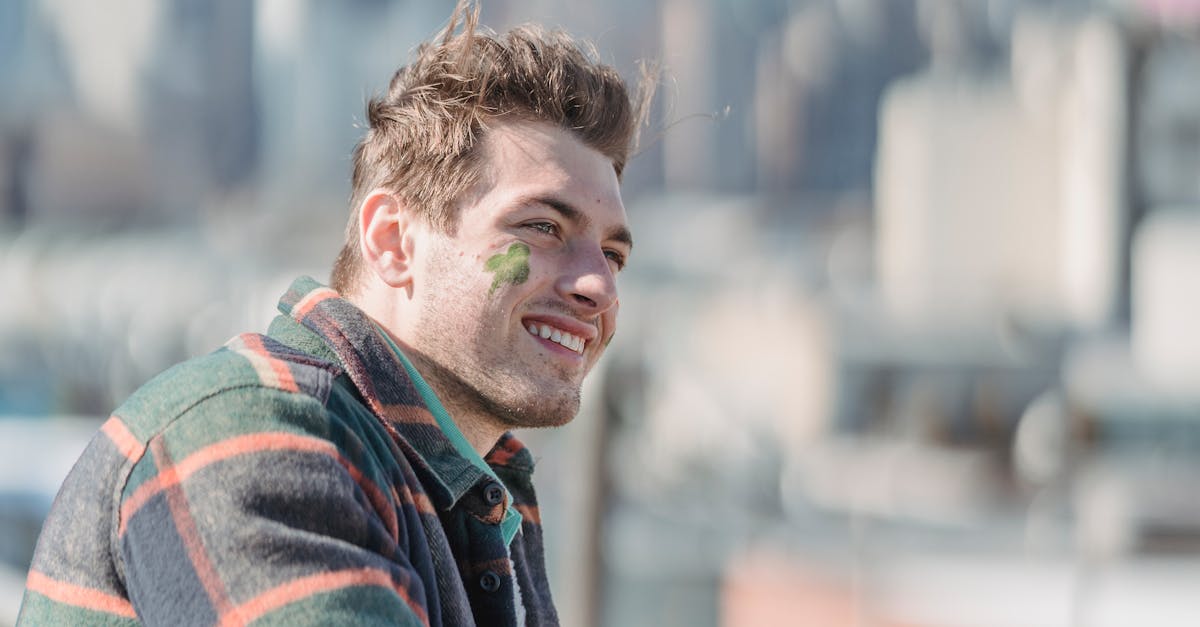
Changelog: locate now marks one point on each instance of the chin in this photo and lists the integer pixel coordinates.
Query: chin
(540, 412)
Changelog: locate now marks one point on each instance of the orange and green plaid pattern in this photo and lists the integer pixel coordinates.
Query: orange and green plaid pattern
(293, 478)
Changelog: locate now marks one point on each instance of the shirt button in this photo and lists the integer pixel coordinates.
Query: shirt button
(489, 581)
(493, 494)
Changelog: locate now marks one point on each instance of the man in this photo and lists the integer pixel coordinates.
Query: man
(354, 466)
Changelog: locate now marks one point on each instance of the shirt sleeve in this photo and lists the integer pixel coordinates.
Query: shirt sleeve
(247, 511)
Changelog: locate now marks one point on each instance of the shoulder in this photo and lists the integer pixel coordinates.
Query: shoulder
(241, 420)
(252, 383)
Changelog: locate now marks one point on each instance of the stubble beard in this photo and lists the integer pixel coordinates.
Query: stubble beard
(473, 373)
(509, 403)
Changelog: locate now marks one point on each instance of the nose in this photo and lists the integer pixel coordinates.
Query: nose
(589, 282)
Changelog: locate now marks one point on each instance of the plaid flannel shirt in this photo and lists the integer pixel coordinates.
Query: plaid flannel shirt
(292, 478)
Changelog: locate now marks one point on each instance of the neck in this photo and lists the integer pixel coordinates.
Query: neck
(466, 407)
(480, 427)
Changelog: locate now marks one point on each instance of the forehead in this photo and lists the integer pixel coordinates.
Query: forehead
(522, 159)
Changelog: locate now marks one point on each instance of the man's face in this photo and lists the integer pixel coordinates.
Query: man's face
(518, 304)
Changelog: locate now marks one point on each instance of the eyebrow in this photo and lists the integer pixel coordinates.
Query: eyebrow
(572, 214)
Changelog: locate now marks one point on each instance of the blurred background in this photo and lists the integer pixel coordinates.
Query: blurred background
(907, 339)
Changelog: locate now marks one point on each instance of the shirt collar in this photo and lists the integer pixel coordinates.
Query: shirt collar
(390, 390)
(512, 518)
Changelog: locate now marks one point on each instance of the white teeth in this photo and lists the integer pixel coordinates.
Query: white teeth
(572, 342)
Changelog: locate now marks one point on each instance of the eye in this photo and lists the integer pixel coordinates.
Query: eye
(616, 257)
(549, 228)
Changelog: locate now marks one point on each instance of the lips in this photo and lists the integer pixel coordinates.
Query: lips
(571, 333)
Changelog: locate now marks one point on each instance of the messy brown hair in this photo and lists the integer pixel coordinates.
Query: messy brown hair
(423, 132)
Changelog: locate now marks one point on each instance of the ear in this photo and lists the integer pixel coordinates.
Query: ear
(385, 236)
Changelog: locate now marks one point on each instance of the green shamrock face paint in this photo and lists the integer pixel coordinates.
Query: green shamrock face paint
(509, 267)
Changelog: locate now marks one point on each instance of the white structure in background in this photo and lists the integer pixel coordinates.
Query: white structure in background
(1165, 258)
(688, 38)
(1166, 301)
(1152, 371)
(1005, 199)
(107, 49)
(317, 64)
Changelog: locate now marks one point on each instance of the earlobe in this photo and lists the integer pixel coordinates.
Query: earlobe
(386, 239)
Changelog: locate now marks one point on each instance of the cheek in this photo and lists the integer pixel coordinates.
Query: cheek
(539, 267)
(609, 321)
(510, 267)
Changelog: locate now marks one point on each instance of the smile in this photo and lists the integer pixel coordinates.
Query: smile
(557, 336)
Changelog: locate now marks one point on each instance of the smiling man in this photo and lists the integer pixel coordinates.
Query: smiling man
(355, 464)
